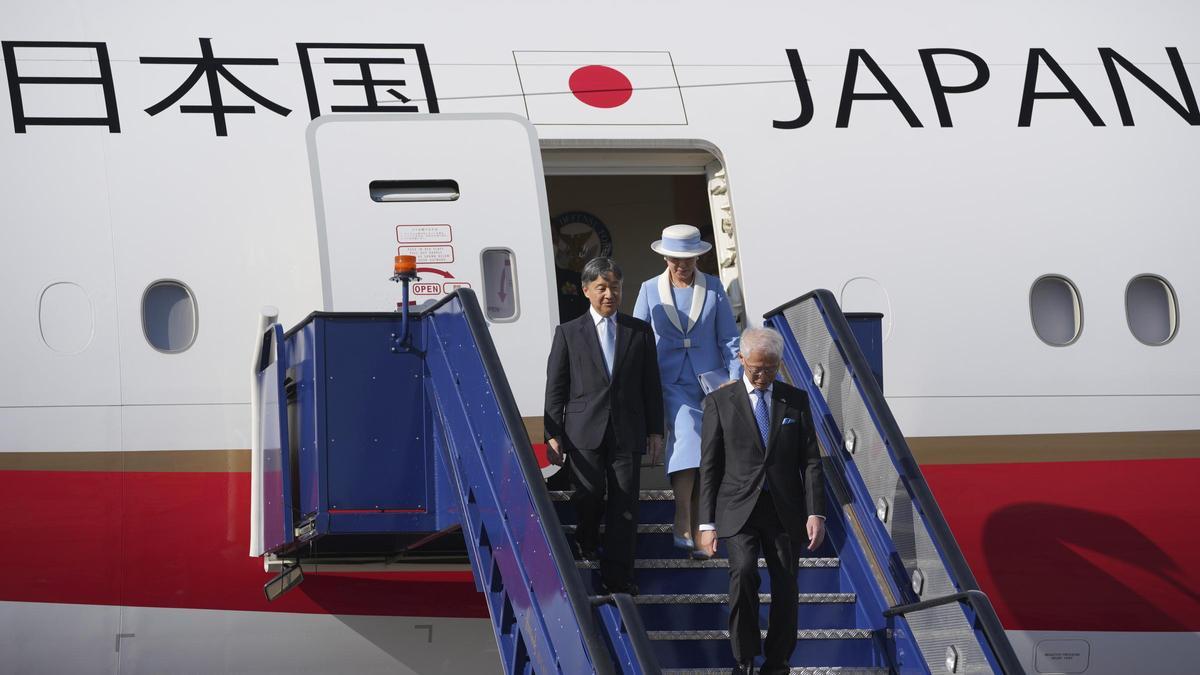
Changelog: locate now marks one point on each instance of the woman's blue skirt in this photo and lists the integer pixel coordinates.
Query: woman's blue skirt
(682, 401)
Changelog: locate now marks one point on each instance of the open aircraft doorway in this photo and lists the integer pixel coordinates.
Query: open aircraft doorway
(615, 201)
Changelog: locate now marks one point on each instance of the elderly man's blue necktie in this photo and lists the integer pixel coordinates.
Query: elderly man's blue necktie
(761, 416)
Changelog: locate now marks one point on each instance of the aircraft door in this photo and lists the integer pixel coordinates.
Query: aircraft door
(466, 195)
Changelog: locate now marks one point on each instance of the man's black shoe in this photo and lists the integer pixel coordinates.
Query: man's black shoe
(581, 553)
(629, 588)
(775, 669)
(744, 669)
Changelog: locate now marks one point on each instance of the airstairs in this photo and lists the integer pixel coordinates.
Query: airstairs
(378, 435)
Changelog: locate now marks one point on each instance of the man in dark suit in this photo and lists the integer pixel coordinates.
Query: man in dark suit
(762, 491)
(604, 408)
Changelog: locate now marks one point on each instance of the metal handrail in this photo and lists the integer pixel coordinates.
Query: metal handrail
(909, 472)
(564, 561)
(639, 649)
(985, 614)
(962, 596)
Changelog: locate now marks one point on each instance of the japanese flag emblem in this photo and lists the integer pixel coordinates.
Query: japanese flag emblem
(600, 87)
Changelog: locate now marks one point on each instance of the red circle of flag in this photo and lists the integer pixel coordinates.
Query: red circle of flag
(601, 86)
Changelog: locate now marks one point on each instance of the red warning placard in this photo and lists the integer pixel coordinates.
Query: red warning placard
(427, 288)
(428, 254)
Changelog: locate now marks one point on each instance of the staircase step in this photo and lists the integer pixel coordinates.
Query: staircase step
(823, 647)
(705, 611)
(653, 541)
(682, 575)
(644, 528)
(795, 670)
(687, 563)
(654, 506)
(723, 598)
(807, 634)
(643, 495)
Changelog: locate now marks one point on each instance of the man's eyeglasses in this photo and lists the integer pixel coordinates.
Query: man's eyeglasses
(763, 370)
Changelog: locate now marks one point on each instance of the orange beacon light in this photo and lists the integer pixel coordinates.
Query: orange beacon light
(404, 271)
(405, 265)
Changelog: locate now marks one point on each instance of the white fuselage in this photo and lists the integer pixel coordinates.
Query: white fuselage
(944, 229)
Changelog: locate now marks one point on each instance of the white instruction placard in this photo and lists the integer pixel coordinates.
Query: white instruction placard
(1062, 656)
(424, 234)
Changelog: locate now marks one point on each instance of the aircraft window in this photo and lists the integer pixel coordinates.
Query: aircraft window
(414, 190)
(1151, 309)
(499, 284)
(1056, 310)
(65, 318)
(169, 316)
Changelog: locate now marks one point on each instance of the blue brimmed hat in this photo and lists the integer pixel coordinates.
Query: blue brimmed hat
(681, 241)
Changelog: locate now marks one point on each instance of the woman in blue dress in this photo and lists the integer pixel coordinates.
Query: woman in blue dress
(697, 339)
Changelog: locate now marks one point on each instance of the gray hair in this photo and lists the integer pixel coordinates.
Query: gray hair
(598, 267)
(765, 341)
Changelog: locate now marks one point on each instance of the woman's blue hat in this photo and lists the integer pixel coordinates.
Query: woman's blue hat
(681, 241)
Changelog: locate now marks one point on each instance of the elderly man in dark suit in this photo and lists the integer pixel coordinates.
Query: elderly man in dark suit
(604, 408)
(762, 491)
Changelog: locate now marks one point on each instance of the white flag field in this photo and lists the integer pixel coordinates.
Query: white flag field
(600, 87)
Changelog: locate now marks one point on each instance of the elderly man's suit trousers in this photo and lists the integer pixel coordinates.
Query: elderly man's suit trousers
(763, 534)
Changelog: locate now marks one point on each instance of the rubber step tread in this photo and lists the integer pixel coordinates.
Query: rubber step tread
(711, 563)
(795, 670)
(723, 598)
(644, 528)
(803, 634)
(643, 495)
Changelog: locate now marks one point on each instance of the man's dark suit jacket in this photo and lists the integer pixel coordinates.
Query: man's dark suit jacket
(580, 397)
(734, 465)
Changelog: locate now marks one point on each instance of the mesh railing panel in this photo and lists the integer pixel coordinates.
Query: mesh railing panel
(936, 629)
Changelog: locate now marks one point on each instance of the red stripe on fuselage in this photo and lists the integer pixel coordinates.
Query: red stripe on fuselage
(1056, 545)
(175, 539)
(1088, 546)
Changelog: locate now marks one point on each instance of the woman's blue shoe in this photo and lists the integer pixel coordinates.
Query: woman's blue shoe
(684, 543)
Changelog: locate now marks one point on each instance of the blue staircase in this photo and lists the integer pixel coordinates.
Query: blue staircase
(889, 591)
(544, 620)
(684, 603)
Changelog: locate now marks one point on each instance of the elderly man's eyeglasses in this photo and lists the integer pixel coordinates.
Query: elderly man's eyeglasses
(754, 371)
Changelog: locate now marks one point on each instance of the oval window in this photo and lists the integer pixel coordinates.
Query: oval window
(65, 318)
(169, 316)
(1151, 309)
(1056, 310)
